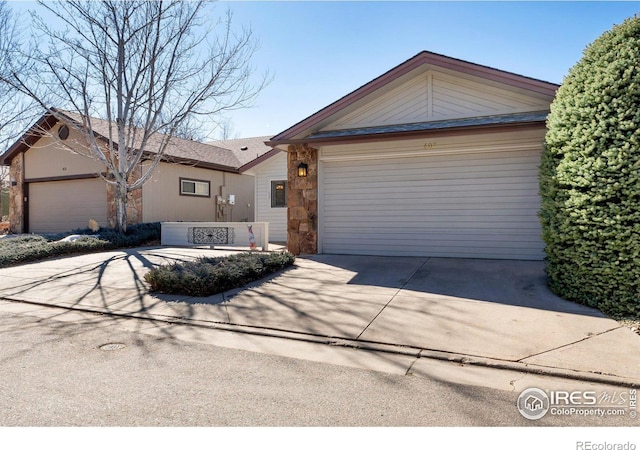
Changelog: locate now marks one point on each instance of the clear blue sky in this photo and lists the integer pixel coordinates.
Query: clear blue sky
(318, 52)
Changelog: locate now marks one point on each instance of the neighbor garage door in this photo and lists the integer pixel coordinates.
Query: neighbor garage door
(480, 205)
(56, 206)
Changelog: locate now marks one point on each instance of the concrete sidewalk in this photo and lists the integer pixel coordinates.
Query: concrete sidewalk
(488, 313)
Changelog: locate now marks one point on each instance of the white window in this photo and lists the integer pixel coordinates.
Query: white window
(199, 188)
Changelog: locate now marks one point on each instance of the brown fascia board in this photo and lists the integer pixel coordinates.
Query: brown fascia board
(46, 122)
(260, 159)
(402, 135)
(85, 176)
(425, 57)
(212, 166)
(190, 162)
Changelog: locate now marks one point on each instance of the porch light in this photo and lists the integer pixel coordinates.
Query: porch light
(302, 170)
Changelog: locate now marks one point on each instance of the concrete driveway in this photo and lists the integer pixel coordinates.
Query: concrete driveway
(461, 309)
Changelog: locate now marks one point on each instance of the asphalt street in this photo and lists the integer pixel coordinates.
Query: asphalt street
(96, 370)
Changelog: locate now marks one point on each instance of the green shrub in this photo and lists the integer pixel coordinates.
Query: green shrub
(590, 177)
(208, 276)
(28, 248)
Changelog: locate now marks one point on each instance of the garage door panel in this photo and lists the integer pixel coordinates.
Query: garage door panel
(417, 196)
(444, 238)
(456, 205)
(524, 183)
(391, 190)
(447, 249)
(489, 246)
(528, 154)
(58, 206)
(522, 226)
(443, 203)
(449, 163)
(434, 174)
(429, 223)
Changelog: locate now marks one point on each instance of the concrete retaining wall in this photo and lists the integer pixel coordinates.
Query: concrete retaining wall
(241, 235)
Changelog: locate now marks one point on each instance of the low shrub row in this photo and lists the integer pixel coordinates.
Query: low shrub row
(29, 248)
(208, 276)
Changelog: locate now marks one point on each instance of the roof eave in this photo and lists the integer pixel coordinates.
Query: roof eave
(251, 164)
(169, 159)
(30, 137)
(401, 135)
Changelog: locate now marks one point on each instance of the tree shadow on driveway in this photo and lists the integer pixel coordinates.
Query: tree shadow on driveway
(498, 309)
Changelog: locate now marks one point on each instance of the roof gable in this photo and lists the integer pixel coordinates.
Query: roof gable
(438, 95)
(179, 150)
(428, 87)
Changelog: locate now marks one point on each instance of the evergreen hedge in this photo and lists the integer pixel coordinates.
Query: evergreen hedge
(590, 177)
(207, 276)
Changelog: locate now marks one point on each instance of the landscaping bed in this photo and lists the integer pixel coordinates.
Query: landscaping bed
(207, 276)
(33, 247)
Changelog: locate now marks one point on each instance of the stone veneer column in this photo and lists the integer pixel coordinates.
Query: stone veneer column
(16, 194)
(302, 200)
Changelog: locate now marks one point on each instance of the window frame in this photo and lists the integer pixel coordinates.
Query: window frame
(195, 181)
(273, 184)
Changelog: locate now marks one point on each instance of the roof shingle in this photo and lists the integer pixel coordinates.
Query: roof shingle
(246, 149)
(502, 119)
(222, 155)
(180, 149)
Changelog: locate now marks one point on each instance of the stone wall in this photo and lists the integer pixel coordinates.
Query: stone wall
(16, 194)
(302, 200)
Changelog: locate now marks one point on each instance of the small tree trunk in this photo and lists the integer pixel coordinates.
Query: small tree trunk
(121, 208)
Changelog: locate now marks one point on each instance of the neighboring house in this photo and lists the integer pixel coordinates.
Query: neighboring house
(56, 189)
(436, 157)
(269, 167)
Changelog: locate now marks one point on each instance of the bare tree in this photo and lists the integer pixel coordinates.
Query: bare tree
(152, 69)
(227, 131)
(15, 109)
(12, 105)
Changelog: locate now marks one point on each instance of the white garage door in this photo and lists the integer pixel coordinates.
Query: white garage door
(480, 205)
(56, 206)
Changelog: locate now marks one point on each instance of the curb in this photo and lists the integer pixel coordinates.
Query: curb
(370, 346)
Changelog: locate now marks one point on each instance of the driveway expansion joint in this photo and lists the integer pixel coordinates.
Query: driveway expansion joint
(394, 296)
(593, 335)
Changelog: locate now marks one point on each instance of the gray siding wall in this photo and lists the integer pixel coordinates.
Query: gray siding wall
(274, 169)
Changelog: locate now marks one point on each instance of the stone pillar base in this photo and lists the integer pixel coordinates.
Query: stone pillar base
(302, 200)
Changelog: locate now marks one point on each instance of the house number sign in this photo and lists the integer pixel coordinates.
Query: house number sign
(429, 145)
